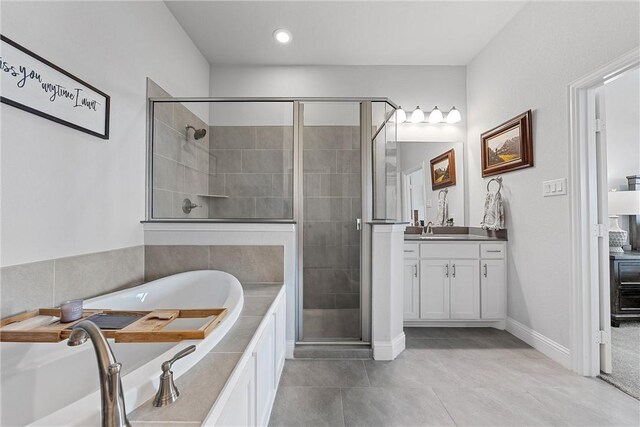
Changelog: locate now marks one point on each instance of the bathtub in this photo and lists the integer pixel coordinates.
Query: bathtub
(56, 385)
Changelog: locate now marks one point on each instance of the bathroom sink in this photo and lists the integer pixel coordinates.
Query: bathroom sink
(432, 237)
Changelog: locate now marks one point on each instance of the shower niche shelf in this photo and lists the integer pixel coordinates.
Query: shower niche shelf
(150, 326)
(218, 196)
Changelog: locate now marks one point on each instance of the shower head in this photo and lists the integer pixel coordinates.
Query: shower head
(197, 133)
(77, 337)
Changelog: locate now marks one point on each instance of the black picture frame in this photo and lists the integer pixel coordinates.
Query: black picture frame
(16, 104)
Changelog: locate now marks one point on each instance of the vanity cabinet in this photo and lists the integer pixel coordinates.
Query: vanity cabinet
(454, 283)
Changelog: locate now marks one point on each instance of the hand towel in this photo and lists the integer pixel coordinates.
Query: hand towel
(493, 218)
(443, 211)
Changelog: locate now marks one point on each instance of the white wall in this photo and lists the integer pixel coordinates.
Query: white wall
(65, 192)
(622, 109)
(529, 65)
(407, 86)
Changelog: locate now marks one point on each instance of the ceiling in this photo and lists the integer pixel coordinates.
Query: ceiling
(343, 32)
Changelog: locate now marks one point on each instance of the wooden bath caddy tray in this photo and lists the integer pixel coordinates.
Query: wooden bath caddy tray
(149, 326)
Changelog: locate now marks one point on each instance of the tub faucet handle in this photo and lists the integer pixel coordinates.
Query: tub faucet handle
(168, 392)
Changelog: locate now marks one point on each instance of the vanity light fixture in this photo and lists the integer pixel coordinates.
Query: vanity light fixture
(282, 35)
(417, 116)
(401, 116)
(453, 116)
(435, 116)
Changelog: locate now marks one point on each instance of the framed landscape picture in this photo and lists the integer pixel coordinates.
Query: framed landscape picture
(443, 170)
(508, 147)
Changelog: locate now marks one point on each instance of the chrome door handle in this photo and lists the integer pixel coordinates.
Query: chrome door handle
(358, 224)
(415, 270)
(447, 271)
(485, 270)
(454, 271)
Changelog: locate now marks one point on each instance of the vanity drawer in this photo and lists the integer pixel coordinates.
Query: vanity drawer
(411, 250)
(449, 250)
(492, 250)
(629, 273)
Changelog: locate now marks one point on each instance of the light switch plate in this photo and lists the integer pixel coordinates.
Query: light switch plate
(555, 187)
(429, 204)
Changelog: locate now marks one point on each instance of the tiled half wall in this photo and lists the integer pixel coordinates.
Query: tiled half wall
(48, 283)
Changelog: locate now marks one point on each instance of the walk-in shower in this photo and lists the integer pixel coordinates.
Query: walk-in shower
(326, 165)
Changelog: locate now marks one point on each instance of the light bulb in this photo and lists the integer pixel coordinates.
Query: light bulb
(283, 36)
(417, 116)
(435, 116)
(401, 116)
(453, 116)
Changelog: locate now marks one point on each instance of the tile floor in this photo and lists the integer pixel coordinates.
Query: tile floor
(446, 376)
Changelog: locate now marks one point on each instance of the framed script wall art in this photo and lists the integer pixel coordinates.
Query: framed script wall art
(33, 84)
(508, 147)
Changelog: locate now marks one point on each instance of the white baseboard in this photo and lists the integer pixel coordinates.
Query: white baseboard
(543, 344)
(498, 324)
(290, 346)
(388, 350)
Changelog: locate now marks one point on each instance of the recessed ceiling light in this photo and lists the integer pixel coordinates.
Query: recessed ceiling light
(282, 36)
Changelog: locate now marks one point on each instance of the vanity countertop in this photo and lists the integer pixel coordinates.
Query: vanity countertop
(450, 238)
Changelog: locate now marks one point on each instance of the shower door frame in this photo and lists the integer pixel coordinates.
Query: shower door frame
(366, 157)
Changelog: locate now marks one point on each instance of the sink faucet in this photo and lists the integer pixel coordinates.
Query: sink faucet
(428, 229)
(113, 410)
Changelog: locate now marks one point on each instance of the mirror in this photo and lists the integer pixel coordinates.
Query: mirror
(418, 161)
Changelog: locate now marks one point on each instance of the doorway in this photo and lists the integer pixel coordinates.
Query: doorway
(591, 308)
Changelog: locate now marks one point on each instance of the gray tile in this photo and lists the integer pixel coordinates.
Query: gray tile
(235, 137)
(327, 137)
(311, 184)
(319, 161)
(329, 281)
(167, 174)
(327, 323)
(324, 373)
(282, 185)
(89, 275)
(410, 373)
(225, 161)
(237, 339)
(202, 158)
(274, 207)
(216, 184)
(256, 305)
(200, 211)
(248, 185)
(375, 406)
(162, 204)
(183, 116)
(316, 300)
(468, 348)
(332, 185)
(260, 289)
(26, 287)
(597, 404)
(243, 207)
(317, 209)
(154, 90)
(320, 233)
(196, 182)
(307, 406)
(274, 137)
(263, 161)
(166, 141)
(349, 161)
(347, 300)
(249, 264)
(165, 260)
(199, 388)
(495, 407)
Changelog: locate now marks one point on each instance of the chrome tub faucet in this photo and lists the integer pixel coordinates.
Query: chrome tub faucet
(114, 413)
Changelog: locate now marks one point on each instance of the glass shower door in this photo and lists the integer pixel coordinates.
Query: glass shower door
(331, 239)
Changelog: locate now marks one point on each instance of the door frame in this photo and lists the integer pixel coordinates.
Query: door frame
(585, 283)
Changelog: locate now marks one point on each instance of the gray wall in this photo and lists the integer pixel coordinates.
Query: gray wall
(332, 202)
(180, 163)
(252, 166)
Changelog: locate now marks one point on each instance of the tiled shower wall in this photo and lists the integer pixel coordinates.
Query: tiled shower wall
(332, 202)
(180, 163)
(252, 166)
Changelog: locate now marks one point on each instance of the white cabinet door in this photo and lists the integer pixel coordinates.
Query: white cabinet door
(492, 289)
(411, 289)
(240, 409)
(281, 331)
(265, 372)
(465, 289)
(434, 289)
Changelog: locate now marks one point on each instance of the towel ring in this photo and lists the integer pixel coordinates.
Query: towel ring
(498, 180)
(445, 191)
